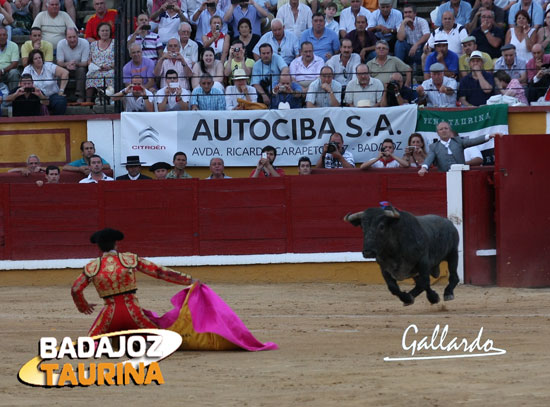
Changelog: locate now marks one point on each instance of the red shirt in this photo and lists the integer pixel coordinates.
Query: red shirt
(262, 174)
(94, 21)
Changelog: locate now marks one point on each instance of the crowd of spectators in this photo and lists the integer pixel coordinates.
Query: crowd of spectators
(360, 53)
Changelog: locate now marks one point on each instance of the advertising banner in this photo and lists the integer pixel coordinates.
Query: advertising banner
(238, 136)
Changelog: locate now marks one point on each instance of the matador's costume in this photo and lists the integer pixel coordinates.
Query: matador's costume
(114, 277)
(200, 316)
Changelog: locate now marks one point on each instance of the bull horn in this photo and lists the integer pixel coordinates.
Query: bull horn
(351, 217)
(390, 212)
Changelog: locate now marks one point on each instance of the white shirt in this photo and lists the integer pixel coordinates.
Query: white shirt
(232, 94)
(300, 72)
(80, 53)
(438, 99)
(46, 80)
(454, 37)
(372, 92)
(302, 23)
(172, 105)
(344, 74)
(90, 180)
(132, 104)
(347, 18)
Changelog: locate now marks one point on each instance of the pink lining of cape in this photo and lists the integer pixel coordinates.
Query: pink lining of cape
(210, 313)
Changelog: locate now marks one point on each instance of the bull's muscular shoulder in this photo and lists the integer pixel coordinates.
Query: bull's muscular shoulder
(92, 268)
(128, 260)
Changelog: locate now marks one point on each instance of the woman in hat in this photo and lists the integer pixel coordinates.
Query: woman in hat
(113, 275)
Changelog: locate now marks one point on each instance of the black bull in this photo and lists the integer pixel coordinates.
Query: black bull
(406, 246)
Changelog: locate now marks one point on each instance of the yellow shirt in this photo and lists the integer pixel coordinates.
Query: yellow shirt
(45, 46)
(464, 66)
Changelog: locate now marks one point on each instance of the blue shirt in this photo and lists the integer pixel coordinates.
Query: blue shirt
(470, 89)
(535, 12)
(393, 22)
(262, 71)
(463, 16)
(451, 61)
(251, 14)
(82, 162)
(291, 99)
(328, 43)
(289, 46)
(215, 100)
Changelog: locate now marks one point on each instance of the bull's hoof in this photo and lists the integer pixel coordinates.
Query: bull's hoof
(448, 297)
(407, 299)
(433, 297)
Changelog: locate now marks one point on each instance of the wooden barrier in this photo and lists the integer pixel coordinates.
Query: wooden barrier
(205, 217)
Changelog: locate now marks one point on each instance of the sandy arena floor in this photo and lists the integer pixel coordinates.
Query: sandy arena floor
(332, 338)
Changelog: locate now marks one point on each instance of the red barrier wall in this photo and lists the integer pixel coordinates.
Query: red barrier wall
(206, 217)
(478, 196)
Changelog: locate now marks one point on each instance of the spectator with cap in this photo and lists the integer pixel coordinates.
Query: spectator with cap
(133, 167)
(364, 91)
(239, 90)
(489, 37)
(510, 63)
(444, 56)
(478, 86)
(160, 170)
(469, 45)
(385, 22)
(461, 9)
(439, 90)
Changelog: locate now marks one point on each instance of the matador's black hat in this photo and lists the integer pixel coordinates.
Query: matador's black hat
(106, 235)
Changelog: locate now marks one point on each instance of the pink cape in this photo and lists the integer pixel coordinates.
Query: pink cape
(211, 314)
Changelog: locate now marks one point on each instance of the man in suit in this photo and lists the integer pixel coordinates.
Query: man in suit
(449, 150)
(133, 166)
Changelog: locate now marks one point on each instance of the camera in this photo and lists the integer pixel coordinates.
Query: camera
(217, 27)
(235, 2)
(169, 7)
(137, 88)
(236, 49)
(174, 54)
(146, 27)
(212, 4)
(393, 86)
(29, 89)
(332, 147)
